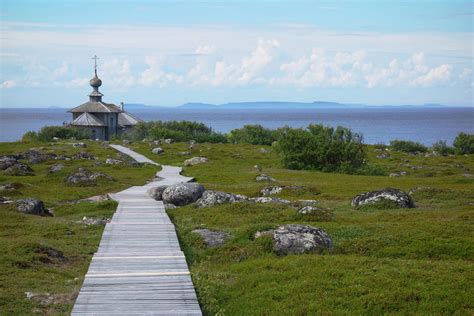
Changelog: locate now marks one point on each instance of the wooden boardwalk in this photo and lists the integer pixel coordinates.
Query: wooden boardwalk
(139, 268)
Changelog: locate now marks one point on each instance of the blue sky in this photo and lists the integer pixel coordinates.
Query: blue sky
(173, 52)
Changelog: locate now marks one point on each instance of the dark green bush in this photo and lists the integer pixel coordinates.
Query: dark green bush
(29, 136)
(442, 148)
(407, 146)
(177, 130)
(322, 148)
(252, 134)
(47, 133)
(464, 143)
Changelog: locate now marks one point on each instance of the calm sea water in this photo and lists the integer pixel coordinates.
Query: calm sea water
(378, 125)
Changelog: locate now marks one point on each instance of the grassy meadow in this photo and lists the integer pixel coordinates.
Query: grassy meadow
(384, 261)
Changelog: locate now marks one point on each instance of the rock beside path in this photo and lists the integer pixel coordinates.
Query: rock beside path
(157, 150)
(182, 193)
(400, 198)
(195, 161)
(156, 193)
(211, 198)
(212, 238)
(298, 239)
(32, 207)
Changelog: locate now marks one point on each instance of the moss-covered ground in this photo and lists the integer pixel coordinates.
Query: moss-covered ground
(385, 261)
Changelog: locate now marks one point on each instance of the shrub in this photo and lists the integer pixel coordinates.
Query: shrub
(322, 148)
(47, 133)
(408, 146)
(442, 148)
(464, 143)
(252, 134)
(177, 130)
(29, 136)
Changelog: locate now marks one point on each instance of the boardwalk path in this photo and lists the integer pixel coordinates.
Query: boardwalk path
(139, 268)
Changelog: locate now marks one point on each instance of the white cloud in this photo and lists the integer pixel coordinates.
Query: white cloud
(117, 74)
(436, 75)
(61, 71)
(8, 84)
(77, 82)
(466, 74)
(204, 50)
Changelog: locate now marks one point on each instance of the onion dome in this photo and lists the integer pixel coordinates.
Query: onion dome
(95, 82)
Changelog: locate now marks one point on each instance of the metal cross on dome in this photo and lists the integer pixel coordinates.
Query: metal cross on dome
(95, 63)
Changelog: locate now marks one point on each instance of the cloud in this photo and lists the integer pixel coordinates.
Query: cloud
(154, 74)
(61, 71)
(466, 74)
(77, 82)
(204, 50)
(433, 76)
(117, 73)
(8, 84)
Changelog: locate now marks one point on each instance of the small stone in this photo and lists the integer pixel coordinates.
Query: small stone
(111, 161)
(383, 156)
(264, 177)
(271, 190)
(79, 145)
(265, 200)
(211, 198)
(157, 150)
(169, 141)
(83, 155)
(263, 151)
(195, 161)
(56, 168)
(212, 238)
(32, 207)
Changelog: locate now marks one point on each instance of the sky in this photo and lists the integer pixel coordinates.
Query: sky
(173, 52)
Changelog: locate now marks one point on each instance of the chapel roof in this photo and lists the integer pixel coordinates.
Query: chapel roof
(127, 119)
(87, 119)
(96, 107)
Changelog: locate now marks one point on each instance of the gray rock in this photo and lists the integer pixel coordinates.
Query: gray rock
(5, 200)
(169, 206)
(157, 150)
(307, 202)
(212, 238)
(33, 207)
(19, 169)
(400, 198)
(263, 151)
(7, 161)
(185, 153)
(95, 221)
(111, 161)
(8, 187)
(168, 141)
(195, 161)
(79, 145)
(264, 177)
(83, 155)
(258, 167)
(156, 142)
(211, 198)
(156, 193)
(56, 168)
(126, 142)
(183, 193)
(383, 156)
(398, 174)
(308, 209)
(271, 190)
(298, 239)
(85, 177)
(274, 200)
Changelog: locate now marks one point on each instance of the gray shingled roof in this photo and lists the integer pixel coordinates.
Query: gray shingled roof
(96, 107)
(87, 119)
(127, 119)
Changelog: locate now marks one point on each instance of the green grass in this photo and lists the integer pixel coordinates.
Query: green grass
(24, 268)
(385, 260)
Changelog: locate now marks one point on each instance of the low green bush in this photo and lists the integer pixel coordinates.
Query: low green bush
(47, 133)
(407, 146)
(442, 148)
(252, 134)
(464, 143)
(322, 148)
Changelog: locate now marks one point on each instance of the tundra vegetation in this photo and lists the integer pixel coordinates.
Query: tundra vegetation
(384, 259)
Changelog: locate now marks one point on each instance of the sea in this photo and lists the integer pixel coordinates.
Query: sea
(377, 124)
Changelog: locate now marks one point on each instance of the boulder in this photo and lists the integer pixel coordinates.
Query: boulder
(400, 198)
(156, 193)
(264, 177)
(7, 161)
(157, 150)
(212, 238)
(85, 177)
(83, 155)
(19, 169)
(271, 190)
(111, 161)
(274, 200)
(211, 198)
(182, 193)
(298, 239)
(56, 168)
(33, 207)
(195, 161)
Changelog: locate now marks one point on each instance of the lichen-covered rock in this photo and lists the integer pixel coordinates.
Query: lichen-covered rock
(19, 169)
(33, 207)
(317, 212)
(303, 203)
(383, 156)
(111, 161)
(398, 174)
(211, 198)
(400, 198)
(79, 145)
(274, 200)
(212, 238)
(168, 141)
(56, 168)
(156, 193)
(95, 221)
(7, 161)
(157, 150)
(85, 177)
(83, 155)
(271, 190)
(298, 239)
(264, 177)
(195, 161)
(182, 193)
